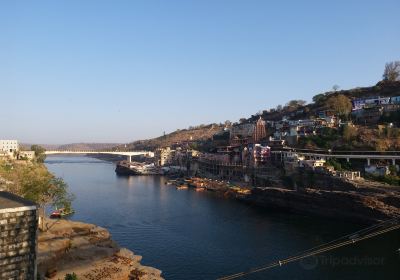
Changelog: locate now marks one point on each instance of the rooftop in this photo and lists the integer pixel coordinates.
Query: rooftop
(9, 200)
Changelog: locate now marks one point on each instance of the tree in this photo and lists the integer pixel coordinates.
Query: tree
(72, 276)
(341, 104)
(319, 98)
(39, 153)
(296, 103)
(336, 87)
(39, 185)
(279, 108)
(349, 133)
(228, 123)
(392, 71)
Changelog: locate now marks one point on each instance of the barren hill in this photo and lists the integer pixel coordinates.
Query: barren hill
(196, 134)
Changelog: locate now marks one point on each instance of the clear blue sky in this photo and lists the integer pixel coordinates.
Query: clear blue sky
(116, 71)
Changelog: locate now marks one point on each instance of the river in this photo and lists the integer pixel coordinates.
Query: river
(191, 235)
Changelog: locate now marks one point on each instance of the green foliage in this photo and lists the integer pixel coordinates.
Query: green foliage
(72, 276)
(388, 179)
(319, 98)
(339, 165)
(335, 164)
(36, 183)
(324, 140)
(393, 170)
(39, 153)
(23, 158)
(296, 103)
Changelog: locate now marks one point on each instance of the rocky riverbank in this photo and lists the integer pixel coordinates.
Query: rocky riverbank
(361, 201)
(87, 250)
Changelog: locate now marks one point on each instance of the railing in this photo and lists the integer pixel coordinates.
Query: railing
(330, 152)
(96, 151)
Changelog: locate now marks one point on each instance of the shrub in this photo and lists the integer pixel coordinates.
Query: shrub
(72, 276)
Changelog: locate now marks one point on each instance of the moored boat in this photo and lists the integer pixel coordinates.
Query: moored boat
(61, 213)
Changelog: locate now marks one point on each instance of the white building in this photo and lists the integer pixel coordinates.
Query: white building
(312, 163)
(164, 156)
(26, 155)
(9, 146)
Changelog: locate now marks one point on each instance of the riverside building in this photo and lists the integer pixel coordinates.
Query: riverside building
(9, 146)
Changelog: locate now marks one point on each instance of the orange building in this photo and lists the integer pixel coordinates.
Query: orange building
(260, 131)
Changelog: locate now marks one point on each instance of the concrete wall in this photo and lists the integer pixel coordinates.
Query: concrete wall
(18, 229)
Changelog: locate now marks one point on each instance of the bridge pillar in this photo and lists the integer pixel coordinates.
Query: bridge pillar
(129, 158)
(348, 160)
(368, 161)
(393, 161)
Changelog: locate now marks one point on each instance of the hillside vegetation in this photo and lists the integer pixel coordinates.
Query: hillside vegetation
(33, 181)
(296, 109)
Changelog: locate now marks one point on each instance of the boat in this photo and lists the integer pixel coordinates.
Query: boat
(182, 187)
(61, 213)
(136, 168)
(200, 189)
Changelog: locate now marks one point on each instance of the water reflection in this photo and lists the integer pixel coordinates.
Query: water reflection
(191, 235)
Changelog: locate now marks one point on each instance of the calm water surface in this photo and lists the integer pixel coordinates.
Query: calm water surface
(190, 235)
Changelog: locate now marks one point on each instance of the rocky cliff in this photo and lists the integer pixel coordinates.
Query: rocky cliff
(87, 250)
(360, 200)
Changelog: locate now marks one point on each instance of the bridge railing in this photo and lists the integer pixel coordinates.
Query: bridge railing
(336, 152)
(95, 151)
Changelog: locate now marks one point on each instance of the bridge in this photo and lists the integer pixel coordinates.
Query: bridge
(129, 155)
(327, 154)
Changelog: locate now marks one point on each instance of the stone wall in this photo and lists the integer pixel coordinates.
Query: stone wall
(18, 235)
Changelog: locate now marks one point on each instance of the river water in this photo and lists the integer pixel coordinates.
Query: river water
(191, 235)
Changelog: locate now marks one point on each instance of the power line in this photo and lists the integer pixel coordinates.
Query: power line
(358, 236)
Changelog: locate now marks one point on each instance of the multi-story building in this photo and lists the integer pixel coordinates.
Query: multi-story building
(261, 154)
(362, 103)
(9, 146)
(242, 131)
(164, 156)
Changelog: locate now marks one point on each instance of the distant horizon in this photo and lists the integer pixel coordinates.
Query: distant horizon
(102, 72)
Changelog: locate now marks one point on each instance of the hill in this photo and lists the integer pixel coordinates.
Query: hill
(382, 89)
(201, 133)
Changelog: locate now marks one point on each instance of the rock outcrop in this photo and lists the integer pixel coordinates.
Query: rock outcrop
(87, 250)
(361, 201)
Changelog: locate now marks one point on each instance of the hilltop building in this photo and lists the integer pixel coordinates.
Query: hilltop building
(9, 147)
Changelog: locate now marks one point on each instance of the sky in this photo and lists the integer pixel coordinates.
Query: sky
(118, 71)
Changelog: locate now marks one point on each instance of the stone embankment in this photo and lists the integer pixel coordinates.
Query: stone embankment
(87, 250)
(360, 201)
